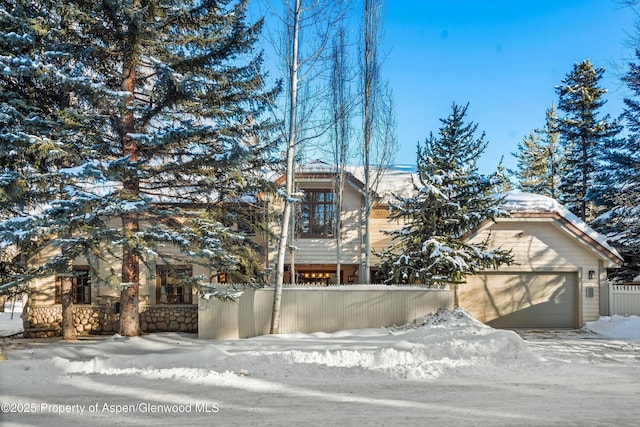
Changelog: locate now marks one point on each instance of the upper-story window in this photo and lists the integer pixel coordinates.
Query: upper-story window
(317, 214)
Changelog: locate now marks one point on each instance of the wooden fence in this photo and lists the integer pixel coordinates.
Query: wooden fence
(318, 309)
(624, 299)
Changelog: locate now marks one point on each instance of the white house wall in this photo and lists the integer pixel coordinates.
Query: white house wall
(323, 251)
(541, 245)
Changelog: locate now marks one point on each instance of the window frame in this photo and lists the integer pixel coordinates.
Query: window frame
(84, 291)
(175, 294)
(312, 203)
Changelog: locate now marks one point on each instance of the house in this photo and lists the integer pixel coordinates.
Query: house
(163, 304)
(315, 258)
(559, 278)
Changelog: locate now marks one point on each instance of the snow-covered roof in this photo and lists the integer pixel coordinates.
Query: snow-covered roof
(396, 180)
(316, 166)
(319, 169)
(520, 202)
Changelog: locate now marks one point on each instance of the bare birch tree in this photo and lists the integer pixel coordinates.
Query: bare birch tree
(314, 19)
(378, 122)
(341, 112)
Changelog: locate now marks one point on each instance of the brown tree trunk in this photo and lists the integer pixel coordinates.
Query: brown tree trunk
(129, 315)
(66, 299)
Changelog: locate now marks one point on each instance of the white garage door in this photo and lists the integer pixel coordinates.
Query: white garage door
(522, 300)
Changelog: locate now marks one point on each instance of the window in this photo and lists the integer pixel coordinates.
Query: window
(317, 214)
(80, 286)
(322, 278)
(170, 284)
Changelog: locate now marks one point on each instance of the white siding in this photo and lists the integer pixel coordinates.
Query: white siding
(542, 245)
(323, 251)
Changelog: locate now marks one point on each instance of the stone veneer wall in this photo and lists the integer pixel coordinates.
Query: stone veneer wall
(45, 321)
(182, 318)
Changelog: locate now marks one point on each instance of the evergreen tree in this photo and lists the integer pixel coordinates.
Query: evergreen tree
(42, 150)
(550, 138)
(451, 199)
(532, 165)
(582, 134)
(621, 223)
(540, 159)
(177, 96)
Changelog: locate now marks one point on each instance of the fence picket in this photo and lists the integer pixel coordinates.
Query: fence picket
(625, 299)
(319, 309)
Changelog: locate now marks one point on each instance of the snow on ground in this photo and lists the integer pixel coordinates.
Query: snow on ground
(10, 320)
(623, 327)
(447, 368)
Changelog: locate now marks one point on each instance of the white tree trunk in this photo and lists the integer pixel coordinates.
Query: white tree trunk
(290, 168)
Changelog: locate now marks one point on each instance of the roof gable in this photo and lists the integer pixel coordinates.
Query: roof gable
(318, 169)
(531, 207)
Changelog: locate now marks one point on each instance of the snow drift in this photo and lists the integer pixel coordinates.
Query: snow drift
(424, 349)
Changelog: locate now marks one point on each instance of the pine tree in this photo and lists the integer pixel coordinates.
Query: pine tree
(582, 134)
(550, 138)
(175, 96)
(41, 151)
(540, 159)
(451, 199)
(621, 223)
(533, 160)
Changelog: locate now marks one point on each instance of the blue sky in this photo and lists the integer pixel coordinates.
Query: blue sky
(503, 57)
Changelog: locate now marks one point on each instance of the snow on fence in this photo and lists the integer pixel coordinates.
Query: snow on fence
(624, 299)
(319, 309)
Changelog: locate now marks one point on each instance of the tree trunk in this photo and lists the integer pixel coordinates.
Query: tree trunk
(339, 191)
(370, 64)
(66, 299)
(339, 87)
(291, 153)
(129, 315)
(292, 249)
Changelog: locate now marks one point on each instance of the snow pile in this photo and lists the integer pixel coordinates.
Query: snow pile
(428, 348)
(619, 327)
(520, 201)
(425, 349)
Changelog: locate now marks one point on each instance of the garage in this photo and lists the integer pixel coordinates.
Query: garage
(558, 278)
(522, 299)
